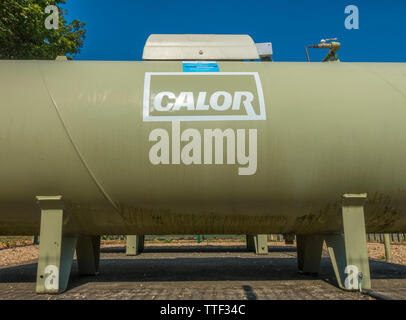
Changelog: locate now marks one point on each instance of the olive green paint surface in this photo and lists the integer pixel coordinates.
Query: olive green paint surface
(88, 255)
(134, 245)
(261, 243)
(388, 251)
(76, 129)
(350, 249)
(56, 249)
(309, 251)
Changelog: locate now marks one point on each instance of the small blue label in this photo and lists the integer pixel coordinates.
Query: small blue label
(200, 67)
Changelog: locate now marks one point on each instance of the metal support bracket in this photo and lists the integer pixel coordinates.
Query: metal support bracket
(134, 245)
(56, 249)
(348, 251)
(261, 243)
(88, 255)
(309, 250)
(257, 243)
(388, 252)
(249, 239)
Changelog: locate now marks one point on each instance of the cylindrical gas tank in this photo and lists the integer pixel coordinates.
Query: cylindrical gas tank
(146, 148)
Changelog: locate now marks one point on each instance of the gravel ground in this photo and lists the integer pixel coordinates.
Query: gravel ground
(21, 252)
(18, 255)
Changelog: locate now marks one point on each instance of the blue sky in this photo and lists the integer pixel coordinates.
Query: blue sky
(117, 30)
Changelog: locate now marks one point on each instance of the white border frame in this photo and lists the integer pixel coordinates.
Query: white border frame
(147, 84)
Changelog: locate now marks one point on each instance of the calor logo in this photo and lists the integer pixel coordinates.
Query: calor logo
(203, 96)
(179, 97)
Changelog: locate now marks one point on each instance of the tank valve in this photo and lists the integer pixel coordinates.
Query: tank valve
(331, 44)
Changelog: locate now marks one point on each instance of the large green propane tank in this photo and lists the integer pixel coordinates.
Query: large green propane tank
(145, 148)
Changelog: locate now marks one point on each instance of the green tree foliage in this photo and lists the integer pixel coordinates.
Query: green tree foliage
(23, 34)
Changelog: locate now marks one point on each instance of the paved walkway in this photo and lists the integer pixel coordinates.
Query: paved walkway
(209, 274)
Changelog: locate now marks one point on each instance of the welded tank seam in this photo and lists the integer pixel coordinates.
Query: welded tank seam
(76, 148)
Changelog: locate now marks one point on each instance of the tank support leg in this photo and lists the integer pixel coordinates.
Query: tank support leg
(388, 253)
(257, 243)
(56, 249)
(261, 243)
(142, 241)
(88, 254)
(135, 245)
(348, 251)
(250, 243)
(309, 250)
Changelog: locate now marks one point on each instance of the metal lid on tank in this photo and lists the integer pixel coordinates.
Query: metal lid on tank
(199, 47)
